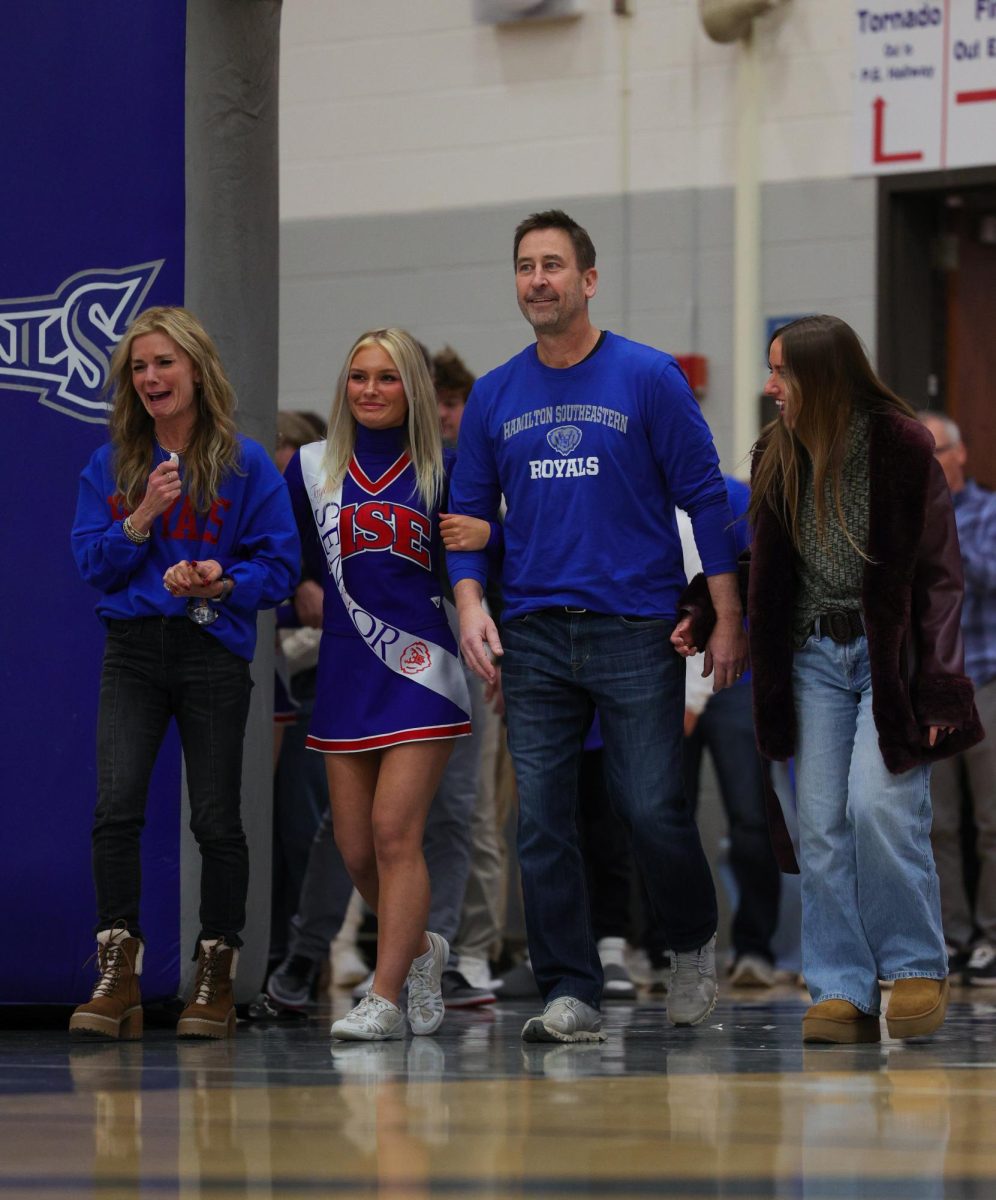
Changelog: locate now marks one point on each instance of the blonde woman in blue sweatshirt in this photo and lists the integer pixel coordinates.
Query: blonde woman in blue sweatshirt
(185, 528)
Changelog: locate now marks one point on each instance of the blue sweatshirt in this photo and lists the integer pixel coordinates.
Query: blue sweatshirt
(249, 529)
(592, 460)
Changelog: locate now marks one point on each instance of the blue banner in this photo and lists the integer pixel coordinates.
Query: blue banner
(92, 231)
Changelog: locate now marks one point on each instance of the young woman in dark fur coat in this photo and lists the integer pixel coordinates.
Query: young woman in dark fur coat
(854, 604)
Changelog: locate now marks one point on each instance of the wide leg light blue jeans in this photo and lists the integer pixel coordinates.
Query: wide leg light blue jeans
(870, 894)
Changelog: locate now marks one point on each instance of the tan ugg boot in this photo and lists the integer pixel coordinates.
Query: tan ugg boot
(210, 1012)
(115, 1008)
(840, 1022)
(917, 1007)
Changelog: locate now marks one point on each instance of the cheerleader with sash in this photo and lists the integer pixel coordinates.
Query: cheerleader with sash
(391, 694)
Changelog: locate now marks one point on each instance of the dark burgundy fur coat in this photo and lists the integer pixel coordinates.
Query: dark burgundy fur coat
(911, 601)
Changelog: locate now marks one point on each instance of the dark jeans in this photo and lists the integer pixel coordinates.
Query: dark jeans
(605, 846)
(156, 668)
(557, 668)
(300, 798)
(726, 728)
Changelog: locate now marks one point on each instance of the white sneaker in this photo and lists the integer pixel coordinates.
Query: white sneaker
(638, 965)
(374, 1019)
(617, 983)
(565, 1019)
(692, 994)
(753, 971)
(348, 965)
(425, 990)
(476, 971)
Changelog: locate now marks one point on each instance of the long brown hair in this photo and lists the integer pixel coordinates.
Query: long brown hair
(213, 449)
(827, 374)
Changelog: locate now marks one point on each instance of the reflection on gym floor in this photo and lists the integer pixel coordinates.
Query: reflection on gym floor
(738, 1108)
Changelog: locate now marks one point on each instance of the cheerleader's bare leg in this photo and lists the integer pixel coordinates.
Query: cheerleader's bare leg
(380, 800)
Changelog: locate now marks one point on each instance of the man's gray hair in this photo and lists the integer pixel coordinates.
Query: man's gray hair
(951, 430)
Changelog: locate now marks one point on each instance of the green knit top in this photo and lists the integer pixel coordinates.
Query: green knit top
(830, 570)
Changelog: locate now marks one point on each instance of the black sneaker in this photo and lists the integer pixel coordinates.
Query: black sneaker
(519, 983)
(981, 969)
(292, 984)
(957, 959)
(458, 993)
(264, 1009)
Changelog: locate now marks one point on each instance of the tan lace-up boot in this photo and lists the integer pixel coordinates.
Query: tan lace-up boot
(115, 1008)
(210, 1012)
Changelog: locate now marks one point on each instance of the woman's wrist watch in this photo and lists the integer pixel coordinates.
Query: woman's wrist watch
(227, 583)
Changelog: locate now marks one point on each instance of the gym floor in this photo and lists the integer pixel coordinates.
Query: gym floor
(737, 1107)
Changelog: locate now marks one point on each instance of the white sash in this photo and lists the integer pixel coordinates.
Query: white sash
(416, 658)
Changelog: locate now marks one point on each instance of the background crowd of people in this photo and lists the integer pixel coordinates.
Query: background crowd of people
(409, 523)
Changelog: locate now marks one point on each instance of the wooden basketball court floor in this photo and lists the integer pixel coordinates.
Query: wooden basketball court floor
(737, 1107)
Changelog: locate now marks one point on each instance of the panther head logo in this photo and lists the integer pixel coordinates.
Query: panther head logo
(565, 438)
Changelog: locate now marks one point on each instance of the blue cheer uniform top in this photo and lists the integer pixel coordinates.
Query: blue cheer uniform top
(387, 550)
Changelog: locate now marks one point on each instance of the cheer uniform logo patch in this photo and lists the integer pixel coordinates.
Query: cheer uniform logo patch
(415, 658)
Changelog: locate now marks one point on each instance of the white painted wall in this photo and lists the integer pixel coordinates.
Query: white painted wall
(392, 106)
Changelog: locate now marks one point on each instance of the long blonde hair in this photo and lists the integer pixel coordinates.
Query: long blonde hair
(827, 374)
(422, 426)
(213, 449)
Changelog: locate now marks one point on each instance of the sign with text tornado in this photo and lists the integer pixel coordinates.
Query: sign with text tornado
(924, 85)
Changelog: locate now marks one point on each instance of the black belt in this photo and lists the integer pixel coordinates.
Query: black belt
(841, 625)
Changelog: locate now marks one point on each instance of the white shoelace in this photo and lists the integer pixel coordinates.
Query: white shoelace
(368, 1012)
(113, 962)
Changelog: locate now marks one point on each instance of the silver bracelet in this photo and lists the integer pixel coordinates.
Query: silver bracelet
(132, 534)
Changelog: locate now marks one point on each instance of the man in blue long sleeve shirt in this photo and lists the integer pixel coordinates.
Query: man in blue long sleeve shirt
(593, 440)
(971, 935)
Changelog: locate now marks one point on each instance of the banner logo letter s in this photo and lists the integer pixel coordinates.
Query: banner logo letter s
(60, 346)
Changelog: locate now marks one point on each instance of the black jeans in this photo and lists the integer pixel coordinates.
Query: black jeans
(156, 668)
(726, 729)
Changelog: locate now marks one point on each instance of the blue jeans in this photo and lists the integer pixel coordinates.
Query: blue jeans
(558, 667)
(156, 668)
(871, 905)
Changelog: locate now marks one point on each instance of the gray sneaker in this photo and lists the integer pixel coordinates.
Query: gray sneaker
(425, 994)
(692, 994)
(565, 1019)
(292, 984)
(374, 1019)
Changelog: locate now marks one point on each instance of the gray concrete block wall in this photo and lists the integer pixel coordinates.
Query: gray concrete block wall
(665, 264)
(232, 258)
